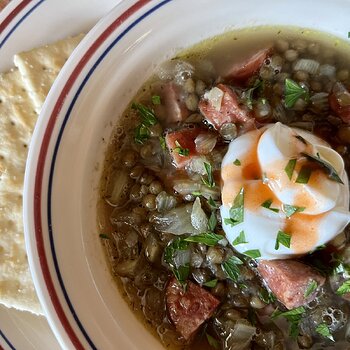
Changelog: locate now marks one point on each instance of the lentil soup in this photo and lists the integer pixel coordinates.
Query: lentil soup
(224, 198)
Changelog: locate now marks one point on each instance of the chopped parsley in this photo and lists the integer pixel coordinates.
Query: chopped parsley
(209, 180)
(323, 330)
(293, 317)
(184, 152)
(180, 272)
(267, 205)
(237, 210)
(248, 95)
(289, 169)
(208, 238)
(212, 222)
(240, 239)
(211, 283)
(312, 286)
(104, 236)
(212, 203)
(142, 134)
(282, 238)
(162, 142)
(231, 268)
(156, 100)
(148, 118)
(325, 166)
(253, 253)
(344, 288)
(266, 296)
(304, 175)
(290, 210)
(293, 91)
(237, 162)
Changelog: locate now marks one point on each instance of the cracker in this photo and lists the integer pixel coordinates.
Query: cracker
(40, 67)
(17, 120)
(22, 94)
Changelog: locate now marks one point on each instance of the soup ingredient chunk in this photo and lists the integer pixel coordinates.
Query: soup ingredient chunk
(339, 101)
(189, 308)
(220, 105)
(182, 145)
(292, 282)
(242, 71)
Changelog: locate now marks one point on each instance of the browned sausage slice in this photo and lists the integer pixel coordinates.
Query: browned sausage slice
(293, 283)
(189, 309)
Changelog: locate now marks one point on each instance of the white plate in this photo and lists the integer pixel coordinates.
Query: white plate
(25, 24)
(75, 286)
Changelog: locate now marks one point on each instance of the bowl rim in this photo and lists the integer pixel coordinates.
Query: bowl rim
(33, 203)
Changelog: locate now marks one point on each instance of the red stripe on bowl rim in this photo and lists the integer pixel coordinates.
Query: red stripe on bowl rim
(4, 24)
(41, 164)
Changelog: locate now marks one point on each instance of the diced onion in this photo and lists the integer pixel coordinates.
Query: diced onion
(165, 202)
(241, 335)
(205, 143)
(214, 96)
(182, 257)
(117, 187)
(327, 70)
(184, 187)
(307, 65)
(199, 219)
(177, 221)
(196, 166)
(320, 101)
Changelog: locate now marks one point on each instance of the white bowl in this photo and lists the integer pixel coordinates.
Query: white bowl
(70, 271)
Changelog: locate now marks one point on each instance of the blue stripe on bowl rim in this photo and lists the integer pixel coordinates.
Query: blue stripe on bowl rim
(13, 15)
(7, 341)
(55, 152)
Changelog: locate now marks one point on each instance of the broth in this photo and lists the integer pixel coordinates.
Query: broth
(143, 182)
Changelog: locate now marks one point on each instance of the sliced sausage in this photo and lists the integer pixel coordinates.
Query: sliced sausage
(242, 71)
(291, 281)
(175, 107)
(189, 308)
(182, 146)
(339, 101)
(230, 110)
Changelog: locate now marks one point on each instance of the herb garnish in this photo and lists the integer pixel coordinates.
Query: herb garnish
(209, 181)
(212, 222)
(293, 91)
(180, 272)
(237, 162)
(323, 330)
(328, 168)
(211, 283)
(304, 175)
(162, 142)
(142, 133)
(289, 169)
(156, 100)
(208, 238)
(266, 296)
(312, 286)
(184, 152)
(293, 316)
(237, 210)
(344, 288)
(240, 239)
(212, 341)
(267, 205)
(249, 93)
(289, 210)
(253, 253)
(148, 119)
(231, 268)
(212, 203)
(282, 238)
(104, 236)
